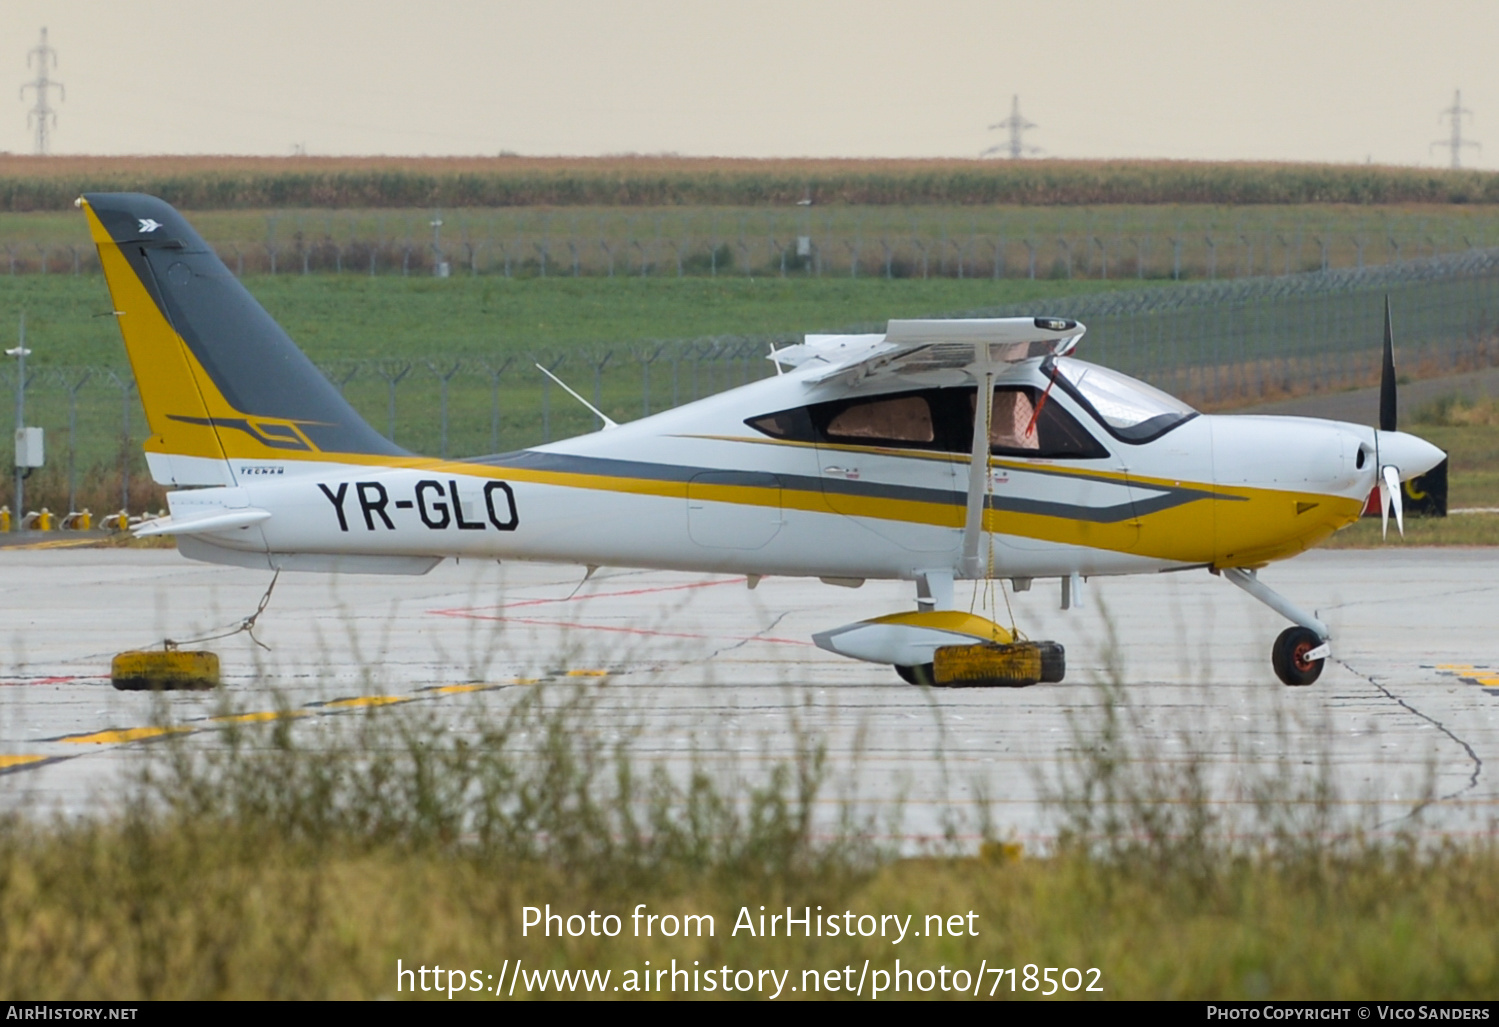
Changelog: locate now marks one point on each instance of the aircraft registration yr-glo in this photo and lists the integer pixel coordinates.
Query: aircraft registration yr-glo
(866, 457)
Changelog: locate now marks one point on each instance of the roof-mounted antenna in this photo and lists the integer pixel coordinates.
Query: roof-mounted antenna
(608, 421)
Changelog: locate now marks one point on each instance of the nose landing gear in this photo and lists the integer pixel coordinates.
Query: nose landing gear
(1300, 650)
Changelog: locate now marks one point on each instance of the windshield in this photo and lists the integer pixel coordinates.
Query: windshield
(1130, 409)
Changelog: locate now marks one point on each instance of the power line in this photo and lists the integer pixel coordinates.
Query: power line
(1017, 126)
(42, 115)
(1456, 142)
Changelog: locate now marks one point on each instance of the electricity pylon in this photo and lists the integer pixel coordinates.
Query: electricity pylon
(1017, 126)
(42, 115)
(1457, 142)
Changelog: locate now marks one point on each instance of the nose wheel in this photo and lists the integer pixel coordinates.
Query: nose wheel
(1300, 650)
(1289, 656)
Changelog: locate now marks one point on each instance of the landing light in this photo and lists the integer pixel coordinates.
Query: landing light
(1055, 324)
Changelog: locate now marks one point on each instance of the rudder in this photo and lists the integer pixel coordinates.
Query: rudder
(220, 380)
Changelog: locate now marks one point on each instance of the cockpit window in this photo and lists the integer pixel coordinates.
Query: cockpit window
(1012, 421)
(897, 419)
(1131, 410)
(1024, 422)
(1027, 422)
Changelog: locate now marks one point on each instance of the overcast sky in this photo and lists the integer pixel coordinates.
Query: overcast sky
(1302, 80)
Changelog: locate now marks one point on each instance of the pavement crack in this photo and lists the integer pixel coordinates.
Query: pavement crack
(1443, 728)
(752, 638)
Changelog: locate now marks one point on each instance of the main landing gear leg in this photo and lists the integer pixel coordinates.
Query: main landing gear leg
(934, 590)
(1299, 651)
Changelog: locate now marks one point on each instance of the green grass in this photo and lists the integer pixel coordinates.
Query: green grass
(1461, 530)
(289, 860)
(344, 321)
(1120, 240)
(417, 318)
(1469, 433)
(1473, 470)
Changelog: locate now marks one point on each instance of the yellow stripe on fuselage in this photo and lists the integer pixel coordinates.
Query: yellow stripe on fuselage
(1245, 527)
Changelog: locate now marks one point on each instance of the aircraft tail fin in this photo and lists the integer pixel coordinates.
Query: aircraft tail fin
(220, 381)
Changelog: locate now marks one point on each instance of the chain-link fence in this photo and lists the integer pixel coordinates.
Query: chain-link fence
(1217, 344)
(1229, 343)
(859, 242)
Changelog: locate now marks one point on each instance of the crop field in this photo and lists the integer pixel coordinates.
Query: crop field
(208, 182)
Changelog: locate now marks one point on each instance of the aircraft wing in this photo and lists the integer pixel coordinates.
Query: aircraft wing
(910, 348)
(980, 347)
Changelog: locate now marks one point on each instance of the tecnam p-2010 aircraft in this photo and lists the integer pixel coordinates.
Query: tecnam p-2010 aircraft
(867, 457)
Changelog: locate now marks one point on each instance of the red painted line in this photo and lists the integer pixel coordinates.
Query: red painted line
(462, 610)
(53, 680)
(579, 626)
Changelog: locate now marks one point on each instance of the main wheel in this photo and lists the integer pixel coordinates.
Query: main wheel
(921, 674)
(1289, 656)
(1053, 662)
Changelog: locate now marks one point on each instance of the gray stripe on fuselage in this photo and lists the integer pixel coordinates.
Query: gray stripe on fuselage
(566, 463)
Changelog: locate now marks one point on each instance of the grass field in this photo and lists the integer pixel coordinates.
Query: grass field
(1469, 433)
(1117, 241)
(355, 323)
(352, 323)
(288, 861)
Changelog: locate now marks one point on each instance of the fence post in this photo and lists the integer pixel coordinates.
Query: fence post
(342, 378)
(72, 388)
(645, 378)
(494, 401)
(392, 372)
(443, 378)
(546, 398)
(125, 384)
(598, 380)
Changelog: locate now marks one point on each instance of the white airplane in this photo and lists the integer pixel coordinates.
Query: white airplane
(866, 457)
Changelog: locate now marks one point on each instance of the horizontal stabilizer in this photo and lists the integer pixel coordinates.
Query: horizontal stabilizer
(226, 520)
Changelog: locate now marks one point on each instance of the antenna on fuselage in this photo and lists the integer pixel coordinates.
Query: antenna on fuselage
(608, 421)
(779, 369)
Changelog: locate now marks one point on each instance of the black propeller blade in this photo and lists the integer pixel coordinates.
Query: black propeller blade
(1387, 375)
